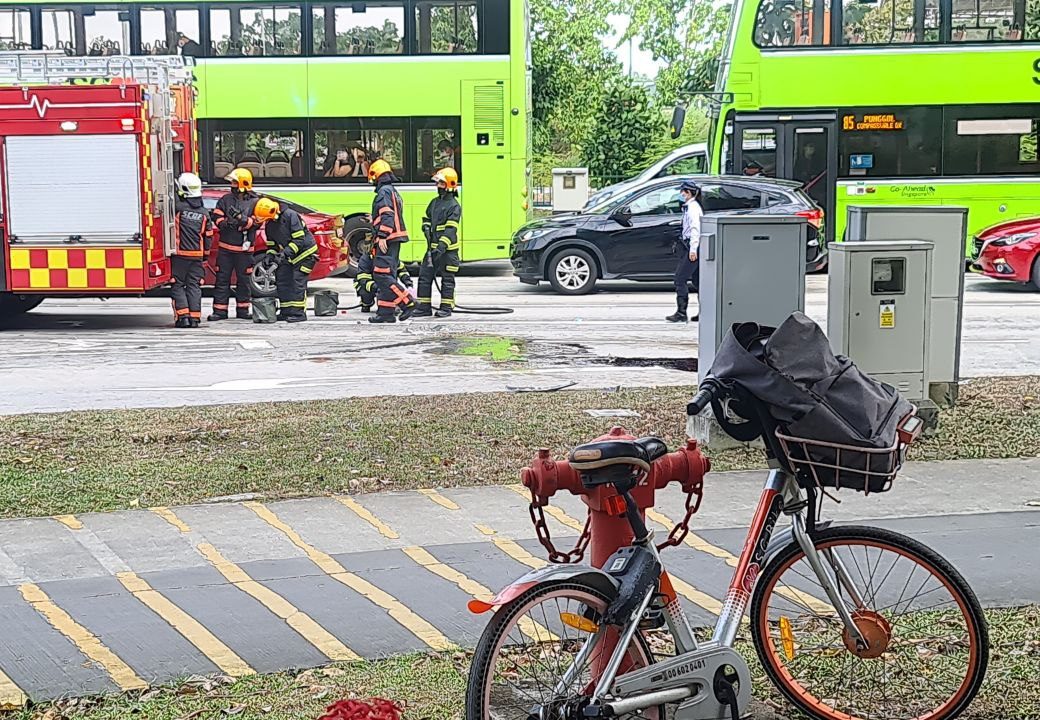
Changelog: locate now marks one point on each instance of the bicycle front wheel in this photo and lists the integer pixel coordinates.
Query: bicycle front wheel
(927, 641)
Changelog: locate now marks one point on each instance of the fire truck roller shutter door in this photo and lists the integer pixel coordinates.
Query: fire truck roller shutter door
(99, 180)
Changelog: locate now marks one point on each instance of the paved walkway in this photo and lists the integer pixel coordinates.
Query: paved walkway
(101, 602)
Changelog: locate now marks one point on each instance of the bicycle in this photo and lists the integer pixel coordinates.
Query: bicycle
(847, 622)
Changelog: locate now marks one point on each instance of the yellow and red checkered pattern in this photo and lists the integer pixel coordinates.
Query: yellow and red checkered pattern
(77, 268)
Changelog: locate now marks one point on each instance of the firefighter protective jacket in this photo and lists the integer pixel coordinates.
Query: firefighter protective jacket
(443, 215)
(192, 228)
(388, 212)
(233, 217)
(287, 232)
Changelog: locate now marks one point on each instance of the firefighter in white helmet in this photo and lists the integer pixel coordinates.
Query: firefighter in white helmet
(191, 242)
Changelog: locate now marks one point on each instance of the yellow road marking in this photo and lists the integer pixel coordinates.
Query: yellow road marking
(208, 644)
(484, 529)
(696, 596)
(439, 499)
(87, 642)
(363, 513)
(513, 550)
(528, 627)
(295, 618)
(699, 543)
(69, 521)
(168, 515)
(551, 510)
(394, 607)
(11, 696)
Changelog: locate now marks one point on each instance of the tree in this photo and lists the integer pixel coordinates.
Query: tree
(627, 122)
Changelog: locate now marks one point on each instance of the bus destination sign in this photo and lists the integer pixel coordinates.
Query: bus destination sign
(869, 123)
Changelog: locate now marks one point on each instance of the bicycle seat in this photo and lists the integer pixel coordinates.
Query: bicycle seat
(631, 455)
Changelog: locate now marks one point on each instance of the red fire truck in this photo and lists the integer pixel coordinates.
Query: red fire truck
(89, 150)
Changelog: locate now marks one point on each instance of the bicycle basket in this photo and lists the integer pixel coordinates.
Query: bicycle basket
(836, 465)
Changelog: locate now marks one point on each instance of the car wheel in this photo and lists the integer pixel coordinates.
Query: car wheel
(1035, 275)
(12, 305)
(263, 282)
(355, 231)
(572, 272)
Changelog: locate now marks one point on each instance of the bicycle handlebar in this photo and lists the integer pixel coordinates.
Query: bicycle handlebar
(709, 391)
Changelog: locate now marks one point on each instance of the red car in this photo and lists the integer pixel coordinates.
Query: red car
(333, 254)
(1010, 251)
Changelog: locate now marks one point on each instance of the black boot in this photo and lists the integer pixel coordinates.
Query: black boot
(423, 311)
(444, 312)
(182, 322)
(296, 318)
(679, 316)
(245, 315)
(382, 319)
(366, 308)
(193, 322)
(216, 316)
(408, 311)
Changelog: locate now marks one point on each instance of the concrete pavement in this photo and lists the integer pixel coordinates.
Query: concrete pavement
(87, 354)
(102, 602)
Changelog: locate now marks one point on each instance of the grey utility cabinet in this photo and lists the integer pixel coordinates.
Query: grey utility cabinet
(946, 229)
(879, 311)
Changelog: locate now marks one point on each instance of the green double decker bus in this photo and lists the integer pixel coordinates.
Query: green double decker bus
(307, 94)
(886, 102)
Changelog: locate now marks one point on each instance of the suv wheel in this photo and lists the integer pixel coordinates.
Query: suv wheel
(572, 272)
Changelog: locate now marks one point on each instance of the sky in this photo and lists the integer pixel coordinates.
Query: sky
(642, 62)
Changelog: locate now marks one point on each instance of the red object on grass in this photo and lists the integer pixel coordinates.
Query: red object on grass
(374, 709)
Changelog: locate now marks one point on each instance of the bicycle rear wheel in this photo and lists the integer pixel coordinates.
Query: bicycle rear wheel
(928, 642)
(530, 661)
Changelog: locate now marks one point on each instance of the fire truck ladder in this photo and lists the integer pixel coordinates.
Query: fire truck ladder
(158, 72)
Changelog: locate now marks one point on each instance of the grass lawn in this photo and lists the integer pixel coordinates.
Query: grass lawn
(107, 460)
(432, 687)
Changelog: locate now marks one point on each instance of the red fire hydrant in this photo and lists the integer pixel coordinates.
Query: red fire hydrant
(608, 527)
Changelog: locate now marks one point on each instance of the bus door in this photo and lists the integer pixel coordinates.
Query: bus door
(794, 147)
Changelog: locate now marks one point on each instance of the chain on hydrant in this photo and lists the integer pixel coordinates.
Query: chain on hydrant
(605, 526)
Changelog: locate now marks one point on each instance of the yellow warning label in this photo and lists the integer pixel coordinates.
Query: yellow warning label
(888, 315)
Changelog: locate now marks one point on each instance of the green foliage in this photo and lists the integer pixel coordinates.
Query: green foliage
(627, 122)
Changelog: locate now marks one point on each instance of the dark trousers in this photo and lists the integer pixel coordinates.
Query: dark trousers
(239, 264)
(186, 290)
(445, 268)
(389, 291)
(292, 287)
(687, 273)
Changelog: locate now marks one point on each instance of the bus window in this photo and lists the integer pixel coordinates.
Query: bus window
(436, 148)
(881, 23)
(59, 31)
(170, 30)
(359, 29)
(990, 21)
(271, 155)
(980, 145)
(15, 29)
(446, 26)
(107, 32)
(758, 151)
(899, 142)
(270, 30)
(802, 22)
(344, 155)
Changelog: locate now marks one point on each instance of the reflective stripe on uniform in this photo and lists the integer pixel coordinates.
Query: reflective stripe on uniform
(298, 234)
(446, 301)
(294, 303)
(306, 270)
(294, 247)
(305, 254)
(382, 270)
(451, 268)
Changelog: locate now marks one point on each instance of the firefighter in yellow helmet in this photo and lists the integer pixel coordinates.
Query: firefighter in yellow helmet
(441, 227)
(389, 232)
(289, 240)
(233, 217)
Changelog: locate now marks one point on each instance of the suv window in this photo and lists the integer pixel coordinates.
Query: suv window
(720, 198)
(689, 165)
(774, 198)
(659, 201)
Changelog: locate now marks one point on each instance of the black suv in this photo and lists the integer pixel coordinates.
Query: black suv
(630, 236)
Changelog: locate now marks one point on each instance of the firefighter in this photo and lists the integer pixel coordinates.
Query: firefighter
(388, 227)
(289, 240)
(365, 284)
(441, 227)
(688, 247)
(233, 217)
(192, 234)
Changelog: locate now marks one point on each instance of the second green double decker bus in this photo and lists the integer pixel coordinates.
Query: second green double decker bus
(905, 102)
(306, 94)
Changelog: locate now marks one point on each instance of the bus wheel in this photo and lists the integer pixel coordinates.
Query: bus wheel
(356, 230)
(12, 305)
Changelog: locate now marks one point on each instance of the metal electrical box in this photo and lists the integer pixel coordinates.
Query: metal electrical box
(570, 189)
(752, 269)
(946, 229)
(879, 311)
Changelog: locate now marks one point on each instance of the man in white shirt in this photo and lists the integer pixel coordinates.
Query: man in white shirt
(687, 247)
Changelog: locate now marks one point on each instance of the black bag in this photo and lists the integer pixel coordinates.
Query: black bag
(818, 397)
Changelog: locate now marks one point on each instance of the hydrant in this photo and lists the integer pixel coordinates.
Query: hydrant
(608, 527)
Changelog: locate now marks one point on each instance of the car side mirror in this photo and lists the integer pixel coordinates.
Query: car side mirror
(678, 120)
(622, 216)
